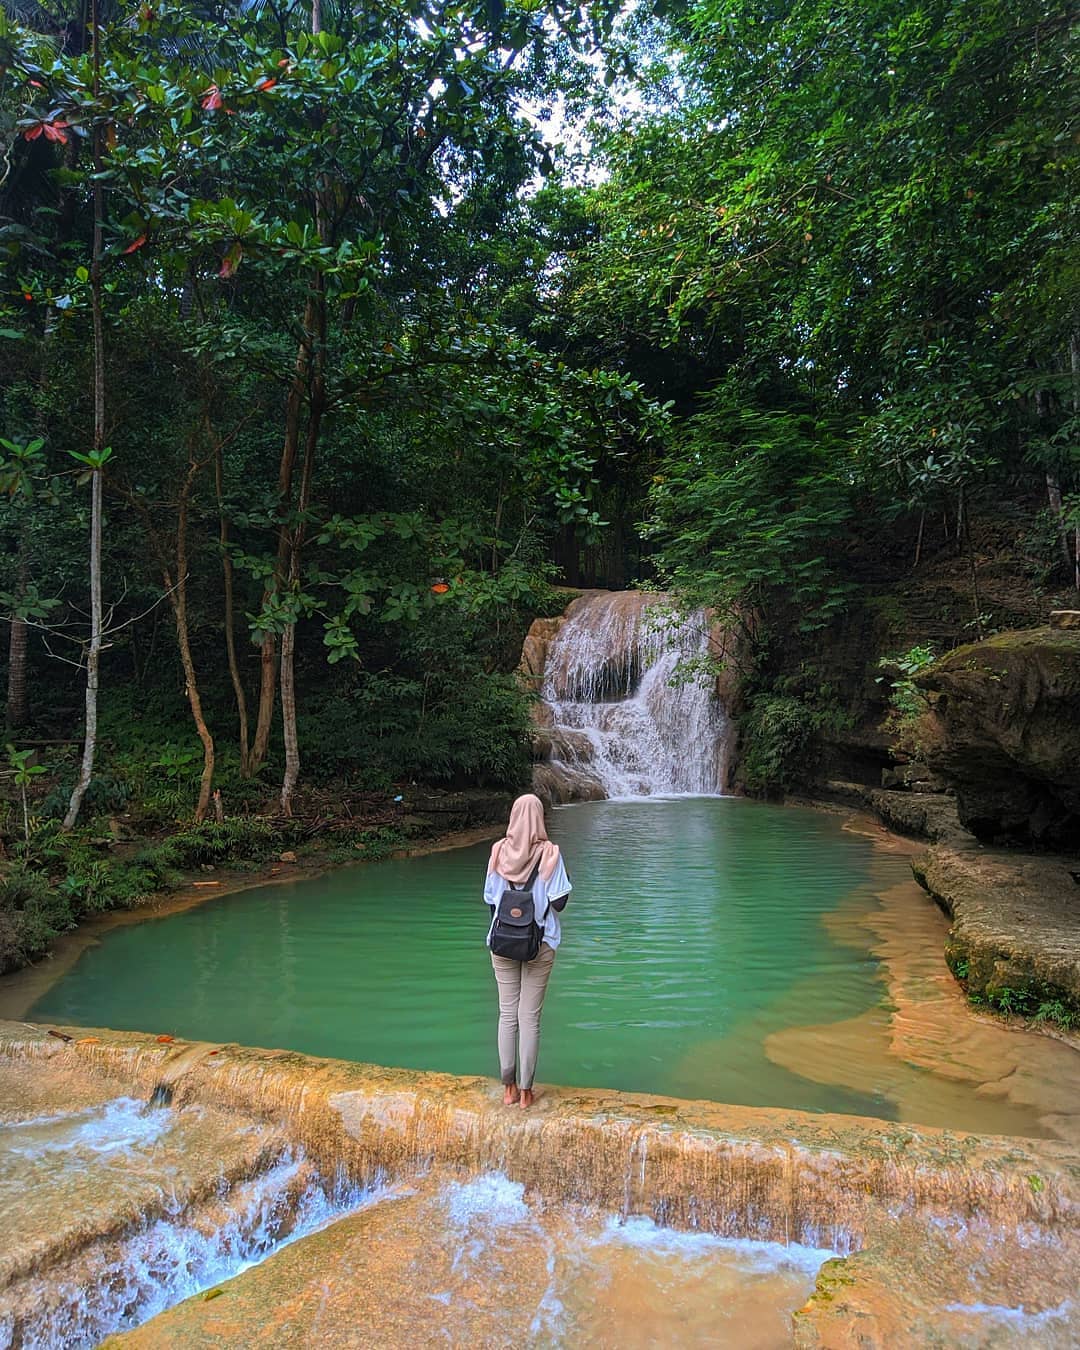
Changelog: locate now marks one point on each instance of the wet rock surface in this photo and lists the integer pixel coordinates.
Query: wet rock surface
(882, 1195)
(1015, 918)
(480, 1263)
(919, 815)
(950, 1286)
(1003, 730)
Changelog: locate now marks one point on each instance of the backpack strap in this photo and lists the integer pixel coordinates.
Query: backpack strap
(529, 883)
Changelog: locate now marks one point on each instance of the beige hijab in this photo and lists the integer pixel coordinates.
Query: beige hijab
(526, 844)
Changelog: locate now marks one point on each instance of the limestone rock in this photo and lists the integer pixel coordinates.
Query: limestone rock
(562, 743)
(923, 815)
(1014, 918)
(535, 648)
(542, 715)
(555, 784)
(913, 776)
(1065, 618)
(1003, 730)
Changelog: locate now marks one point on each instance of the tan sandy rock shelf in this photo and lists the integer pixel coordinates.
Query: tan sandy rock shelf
(937, 1060)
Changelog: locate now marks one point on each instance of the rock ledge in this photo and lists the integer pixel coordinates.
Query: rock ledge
(1016, 919)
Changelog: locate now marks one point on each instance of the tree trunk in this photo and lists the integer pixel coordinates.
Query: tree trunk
(176, 591)
(1053, 494)
(1074, 367)
(17, 709)
(315, 331)
(288, 719)
(18, 712)
(178, 596)
(290, 446)
(264, 717)
(976, 599)
(288, 639)
(93, 653)
(230, 625)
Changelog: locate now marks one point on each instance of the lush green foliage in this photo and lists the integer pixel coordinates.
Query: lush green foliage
(349, 450)
(848, 255)
(371, 387)
(777, 730)
(907, 703)
(59, 879)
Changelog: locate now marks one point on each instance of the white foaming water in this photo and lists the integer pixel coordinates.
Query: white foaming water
(550, 1261)
(493, 1221)
(492, 1197)
(119, 1125)
(640, 721)
(1015, 1317)
(173, 1258)
(643, 1233)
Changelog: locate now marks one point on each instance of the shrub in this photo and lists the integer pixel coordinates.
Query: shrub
(907, 703)
(448, 728)
(775, 731)
(32, 913)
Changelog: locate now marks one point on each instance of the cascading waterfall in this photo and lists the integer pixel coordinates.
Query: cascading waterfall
(631, 715)
(118, 1211)
(414, 1207)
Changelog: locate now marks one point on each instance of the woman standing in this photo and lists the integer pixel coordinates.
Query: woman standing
(525, 867)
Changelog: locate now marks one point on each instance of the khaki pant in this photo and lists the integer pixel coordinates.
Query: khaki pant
(522, 986)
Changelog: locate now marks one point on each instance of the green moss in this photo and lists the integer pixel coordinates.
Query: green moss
(833, 1278)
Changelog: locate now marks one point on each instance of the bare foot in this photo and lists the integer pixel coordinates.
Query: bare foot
(510, 1095)
(527, 1098)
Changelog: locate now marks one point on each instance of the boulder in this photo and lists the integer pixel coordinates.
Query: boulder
(922, 815)
(534, 650)
(1003, 731)
(562, 743)
(1013, 919)
(556, 783)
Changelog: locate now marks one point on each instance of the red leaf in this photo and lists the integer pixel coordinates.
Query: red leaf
(36, 84)
(137, 244)
(231, 261)
(56, 131)
(32, 133)
(212, 99)
(268, 83)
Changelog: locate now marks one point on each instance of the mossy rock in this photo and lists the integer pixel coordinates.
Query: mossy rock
(1003, 730)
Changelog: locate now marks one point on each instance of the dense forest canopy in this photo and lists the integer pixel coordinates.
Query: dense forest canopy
(322, 361)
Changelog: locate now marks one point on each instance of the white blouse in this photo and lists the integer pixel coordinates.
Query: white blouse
(543, 894)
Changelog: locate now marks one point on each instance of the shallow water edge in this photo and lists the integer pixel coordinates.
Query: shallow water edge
(21, 989)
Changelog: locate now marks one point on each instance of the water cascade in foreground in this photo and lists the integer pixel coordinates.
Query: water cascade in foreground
(599, 1219)
(117, 1211)
(629, 710)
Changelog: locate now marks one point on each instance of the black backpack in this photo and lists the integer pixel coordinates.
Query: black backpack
(515, 932)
